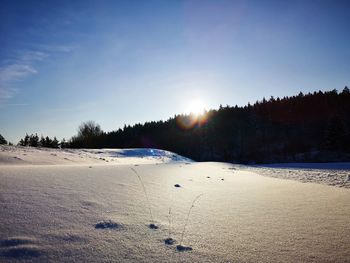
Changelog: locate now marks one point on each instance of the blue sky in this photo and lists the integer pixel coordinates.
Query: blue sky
(123, 62)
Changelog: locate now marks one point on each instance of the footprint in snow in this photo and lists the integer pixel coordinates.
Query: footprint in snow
(107, 224)
(182, 248)
(169, 241)
(153, 226)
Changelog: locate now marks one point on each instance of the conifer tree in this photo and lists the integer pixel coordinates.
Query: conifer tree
(2, 140)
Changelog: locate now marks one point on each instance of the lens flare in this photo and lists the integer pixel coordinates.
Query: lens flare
(195, 116)
(191, 121)
(186, 121)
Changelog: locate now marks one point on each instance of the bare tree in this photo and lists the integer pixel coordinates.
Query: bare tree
(89, 129)
(88, 135)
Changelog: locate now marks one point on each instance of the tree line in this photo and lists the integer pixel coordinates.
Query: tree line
(305, 127)
(34, 141)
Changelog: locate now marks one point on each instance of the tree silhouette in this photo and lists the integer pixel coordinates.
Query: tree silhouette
(63, 143)
(2, 140)
(21, 142)
(275, 130)
(89, 129)
(89, 135)
(34, 140)
(54, 143)
(42, 142)
(26, 140)
(305, 127)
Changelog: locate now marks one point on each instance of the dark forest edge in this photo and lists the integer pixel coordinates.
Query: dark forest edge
(313, 127)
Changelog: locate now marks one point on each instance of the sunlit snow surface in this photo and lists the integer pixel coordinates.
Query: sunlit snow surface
(335, 174)
(94, 206)
(147, 153)
(10, 155)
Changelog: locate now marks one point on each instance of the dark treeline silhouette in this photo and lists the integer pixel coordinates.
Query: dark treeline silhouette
(34, 141)
(311, 127)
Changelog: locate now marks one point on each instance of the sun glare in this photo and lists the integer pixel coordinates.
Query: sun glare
(195, 115)
(196, 107)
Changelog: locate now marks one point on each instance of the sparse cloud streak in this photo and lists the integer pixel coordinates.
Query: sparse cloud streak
(15, 72)
(10, 74)
(34, 56)
(58, 48)
(18, 69)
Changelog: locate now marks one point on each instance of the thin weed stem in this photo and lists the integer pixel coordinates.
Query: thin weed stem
(169, 221)
(146, 195)
(188, 217)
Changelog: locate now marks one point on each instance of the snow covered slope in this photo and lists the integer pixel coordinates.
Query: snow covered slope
(148, 154)
(14, 155)
(99, 211)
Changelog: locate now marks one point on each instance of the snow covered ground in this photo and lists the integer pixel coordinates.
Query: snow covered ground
(335, 174)
(96, 206)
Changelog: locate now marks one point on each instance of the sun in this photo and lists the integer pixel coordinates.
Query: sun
(195, 115)
(196, 107)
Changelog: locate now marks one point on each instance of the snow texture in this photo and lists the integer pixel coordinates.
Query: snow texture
(58, 210)
(335, 174)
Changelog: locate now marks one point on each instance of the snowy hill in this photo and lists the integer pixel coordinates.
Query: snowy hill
(15, 155)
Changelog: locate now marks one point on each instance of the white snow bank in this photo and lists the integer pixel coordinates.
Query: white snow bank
(16, 155)
(148, 153)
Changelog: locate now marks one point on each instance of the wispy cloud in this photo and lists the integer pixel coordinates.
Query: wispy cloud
(34, 56)
(16, 70)
(58, 48)
(10, 74)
